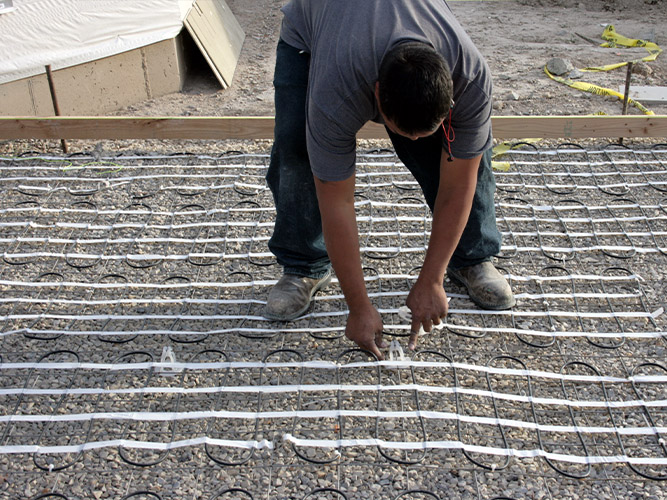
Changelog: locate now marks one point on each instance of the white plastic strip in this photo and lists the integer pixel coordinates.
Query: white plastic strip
(141, 445)
(135, 257)
(457, 445)
(217, 255)
(369, 279)
(216, 317)
(314, 330)
(191, 301)
(361, 203)
(329, 414)
(212, 240)
(535, 169)
(322, 388)
(329, 365)
(560, 334)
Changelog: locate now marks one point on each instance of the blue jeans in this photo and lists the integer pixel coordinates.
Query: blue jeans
(297, 240)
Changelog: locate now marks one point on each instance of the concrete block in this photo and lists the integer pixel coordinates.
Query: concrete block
(166, 66)
(101, 86)
(26, 97)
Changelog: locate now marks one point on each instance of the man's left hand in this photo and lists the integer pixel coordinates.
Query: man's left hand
(428, 303)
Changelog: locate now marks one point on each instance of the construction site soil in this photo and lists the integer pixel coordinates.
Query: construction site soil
(517, 38)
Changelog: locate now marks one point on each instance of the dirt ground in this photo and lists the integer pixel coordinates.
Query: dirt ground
(517, 37)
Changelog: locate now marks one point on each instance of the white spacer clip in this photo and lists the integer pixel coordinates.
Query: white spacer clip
(168, 357)
(396, 351)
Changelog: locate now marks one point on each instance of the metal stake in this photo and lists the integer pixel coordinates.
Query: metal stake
(54, 98)
(626, 95)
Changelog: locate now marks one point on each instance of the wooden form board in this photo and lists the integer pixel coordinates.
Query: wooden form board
(218, 35)
(218, 128)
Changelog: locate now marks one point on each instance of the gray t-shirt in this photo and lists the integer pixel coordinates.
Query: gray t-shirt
(347, 40)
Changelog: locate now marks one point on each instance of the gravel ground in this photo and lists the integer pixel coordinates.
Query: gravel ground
(110, 260)
(128, 248)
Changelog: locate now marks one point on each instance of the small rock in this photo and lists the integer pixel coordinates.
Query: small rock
(512, 96)
(559, 66)
(649, 36)
(575, 74)
(643, 69)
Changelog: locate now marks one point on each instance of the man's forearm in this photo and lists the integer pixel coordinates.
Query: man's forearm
(339, 224)
(458, 180)
(341, 236)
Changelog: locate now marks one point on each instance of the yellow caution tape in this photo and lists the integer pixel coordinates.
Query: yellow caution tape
(613, 40)
(504, 147)
(502, 166)
(597, 90)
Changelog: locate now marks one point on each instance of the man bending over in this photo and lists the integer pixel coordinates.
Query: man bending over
(409, 65)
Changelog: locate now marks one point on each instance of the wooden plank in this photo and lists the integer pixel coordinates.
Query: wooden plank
(137, 128)
(202, 49)
(218, 35)
(579, 127)
(191, 127)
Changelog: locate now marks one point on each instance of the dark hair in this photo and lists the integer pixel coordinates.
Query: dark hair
(415, 87)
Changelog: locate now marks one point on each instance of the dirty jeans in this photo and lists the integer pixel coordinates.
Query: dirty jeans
(297, 240)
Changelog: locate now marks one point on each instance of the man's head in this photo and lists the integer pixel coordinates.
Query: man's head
(414, 88)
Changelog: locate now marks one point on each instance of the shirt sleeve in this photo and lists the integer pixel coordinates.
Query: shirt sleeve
(331, 158)
(331, 136)
(471, 122)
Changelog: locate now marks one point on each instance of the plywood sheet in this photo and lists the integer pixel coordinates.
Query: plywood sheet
(218, 35)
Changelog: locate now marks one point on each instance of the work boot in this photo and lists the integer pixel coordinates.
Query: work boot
(291, 296)
(486, 286)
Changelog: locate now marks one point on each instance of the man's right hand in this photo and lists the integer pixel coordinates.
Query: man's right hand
(364, 327)
(339, 225)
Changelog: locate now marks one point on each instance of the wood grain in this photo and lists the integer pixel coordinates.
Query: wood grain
(217, 128)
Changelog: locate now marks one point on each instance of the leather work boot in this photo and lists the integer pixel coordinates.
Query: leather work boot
(486, 286)
(291, 296)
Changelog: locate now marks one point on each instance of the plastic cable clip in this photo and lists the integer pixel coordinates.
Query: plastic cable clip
(396, 351)
(168, 357)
